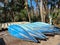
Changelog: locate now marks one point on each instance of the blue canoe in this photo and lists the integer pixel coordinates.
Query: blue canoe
(56, 30)
(20, 33)
(47, 26)
(32, 33)
(39, 29)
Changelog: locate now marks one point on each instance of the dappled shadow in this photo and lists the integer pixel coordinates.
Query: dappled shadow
(2, 41)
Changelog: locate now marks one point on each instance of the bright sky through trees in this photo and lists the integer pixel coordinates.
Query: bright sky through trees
(1, 4)
(33, 3)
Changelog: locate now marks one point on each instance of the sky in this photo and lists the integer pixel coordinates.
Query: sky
(1, 4)
(33, 3)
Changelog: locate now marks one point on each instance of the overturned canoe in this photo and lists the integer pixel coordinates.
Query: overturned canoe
(48, 27)
(20, 33)
(32, 33)
(37, 28)
(56, 30)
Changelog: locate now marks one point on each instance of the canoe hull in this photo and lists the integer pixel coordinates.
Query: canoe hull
(21, 34)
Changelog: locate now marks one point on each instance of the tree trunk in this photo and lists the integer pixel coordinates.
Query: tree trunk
(38, 1)
(5, 9)
(45, 9)
(31, 8)
(26, 1)
(41, 10)
(38, 16)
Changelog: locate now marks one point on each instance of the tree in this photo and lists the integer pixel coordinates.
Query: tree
(38, 7)
(5, 9)
(12, 9)
(17, 6)
(31, 8)
(41, 10)
(27, 8)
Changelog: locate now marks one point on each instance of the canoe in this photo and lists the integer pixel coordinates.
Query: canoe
(56, 30)
(47, 26)
(20, 33)
(33, 33)
(37, 28)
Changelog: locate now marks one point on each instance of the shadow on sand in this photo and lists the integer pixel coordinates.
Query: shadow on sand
(2, 42)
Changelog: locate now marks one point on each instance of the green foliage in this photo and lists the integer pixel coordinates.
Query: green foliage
(14, 10)
(23, 14)
(55, 14)
(16, 5)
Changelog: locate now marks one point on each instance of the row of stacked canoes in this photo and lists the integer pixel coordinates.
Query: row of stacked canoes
(32, 31)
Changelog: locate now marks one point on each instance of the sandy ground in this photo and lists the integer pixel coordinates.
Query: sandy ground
(9, 40)
(52, 41)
